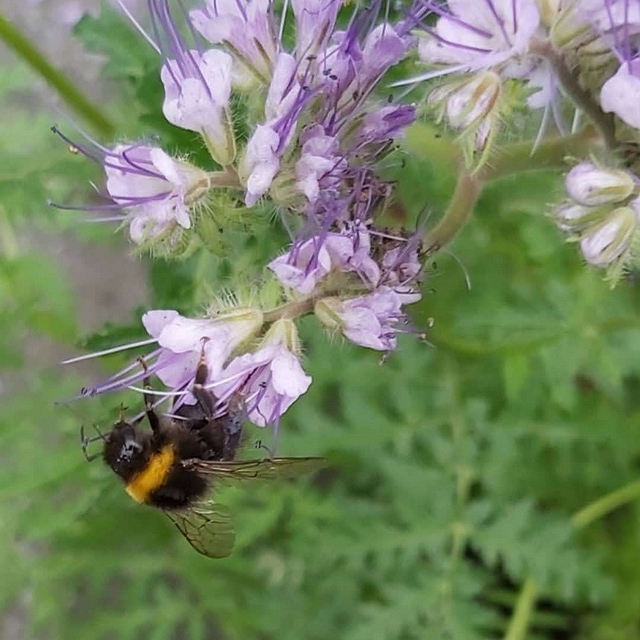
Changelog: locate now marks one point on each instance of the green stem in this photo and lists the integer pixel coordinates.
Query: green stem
(519, 623)
(602, 506)
(551, 153)
(74, 98)
(569, 81)
(460, 208)
(583, 518)
(505, 160)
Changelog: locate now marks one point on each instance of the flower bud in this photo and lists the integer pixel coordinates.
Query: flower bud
(591, 185)
(549, 10)
(569, 30)
(283, 332)
(474, 101)
(327, 312)
(607, 241)
(575, 217)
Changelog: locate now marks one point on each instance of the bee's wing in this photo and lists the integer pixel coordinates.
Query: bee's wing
(262, 469)
(207, 527)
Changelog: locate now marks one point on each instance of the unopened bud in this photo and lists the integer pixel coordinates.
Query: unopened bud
(326, 311)
(569, 29)
(576, 217)
(284, 332)
(473, 101)
(606, 242)
(549, 10)
(591, 185)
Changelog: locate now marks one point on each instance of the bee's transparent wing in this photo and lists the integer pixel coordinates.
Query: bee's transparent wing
(262, 469)
(207, 526)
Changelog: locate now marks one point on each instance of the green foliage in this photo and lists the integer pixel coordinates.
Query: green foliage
(454, 468)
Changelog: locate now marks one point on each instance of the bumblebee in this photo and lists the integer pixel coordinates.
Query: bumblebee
(176, 465)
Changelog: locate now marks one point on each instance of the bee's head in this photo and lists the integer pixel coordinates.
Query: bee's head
(126, 449)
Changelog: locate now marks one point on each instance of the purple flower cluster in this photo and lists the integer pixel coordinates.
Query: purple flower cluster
(316, 139)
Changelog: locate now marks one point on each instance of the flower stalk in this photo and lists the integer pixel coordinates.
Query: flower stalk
(595, 510)
(463, 201)
(68, 91)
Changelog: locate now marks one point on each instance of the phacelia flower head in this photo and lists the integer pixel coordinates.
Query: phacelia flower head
(268, 380)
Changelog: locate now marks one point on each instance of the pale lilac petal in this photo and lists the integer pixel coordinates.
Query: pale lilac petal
(155, 321)
(621, 95)
(289, 377)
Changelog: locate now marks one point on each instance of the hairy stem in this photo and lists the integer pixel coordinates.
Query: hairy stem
(505, 160)
(72, 96)
(603, 121)
(460, 208)
(551, 153)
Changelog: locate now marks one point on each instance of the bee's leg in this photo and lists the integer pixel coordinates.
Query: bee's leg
(152, 416)
(85, 441)
(201, 394)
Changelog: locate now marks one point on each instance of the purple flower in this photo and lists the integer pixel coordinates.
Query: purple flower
(320, 164)
(157, 191)
(268, 380)
(260, 163)
(621, 93)
(315, 21)
(387, 123)
(246, 29)
(180, 343)
(372, 320)
(475, 35)
(618, 23)
(382, 49)
(400, 271)
(197, 86)
(197, 93)
(309, 261)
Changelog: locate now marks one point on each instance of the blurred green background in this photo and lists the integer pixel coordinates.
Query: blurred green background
(454, 507)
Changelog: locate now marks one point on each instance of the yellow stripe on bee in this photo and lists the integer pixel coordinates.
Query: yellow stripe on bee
(152, 476)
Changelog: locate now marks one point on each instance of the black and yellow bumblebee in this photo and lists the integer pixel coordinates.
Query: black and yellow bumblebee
(176, 465)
